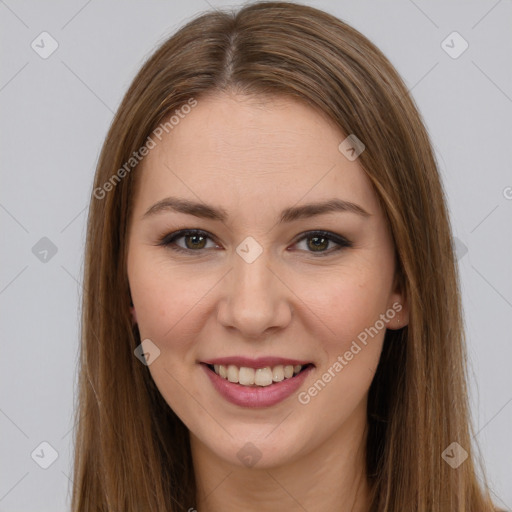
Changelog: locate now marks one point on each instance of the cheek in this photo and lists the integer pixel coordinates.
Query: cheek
(351, 308)
(345, 304)
(168, 301)
(169, 311)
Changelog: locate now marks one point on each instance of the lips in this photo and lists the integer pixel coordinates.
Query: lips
(256, 372)
(260, 382)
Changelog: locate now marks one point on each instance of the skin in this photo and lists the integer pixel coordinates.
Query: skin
(254, 158)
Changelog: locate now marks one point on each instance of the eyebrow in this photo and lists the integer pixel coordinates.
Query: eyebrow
(291, 214)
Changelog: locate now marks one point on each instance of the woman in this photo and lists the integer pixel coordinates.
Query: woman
(272, 317)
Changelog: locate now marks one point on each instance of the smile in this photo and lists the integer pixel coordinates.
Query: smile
(256, 382)
(246, 376)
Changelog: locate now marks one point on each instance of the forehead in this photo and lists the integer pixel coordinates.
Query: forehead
(243, 148)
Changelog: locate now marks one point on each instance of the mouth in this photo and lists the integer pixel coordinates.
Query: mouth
(262, 382)
(257, 377)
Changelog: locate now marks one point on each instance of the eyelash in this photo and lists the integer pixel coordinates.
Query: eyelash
(169, 239)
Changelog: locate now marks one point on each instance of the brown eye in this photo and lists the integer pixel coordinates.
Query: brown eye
(194, 241)
(318, 243)
(323, 243)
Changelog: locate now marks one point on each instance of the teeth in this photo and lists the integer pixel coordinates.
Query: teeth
(246, 376)
(233, 373)
(256, 377)
(278, 373)
(263, 376)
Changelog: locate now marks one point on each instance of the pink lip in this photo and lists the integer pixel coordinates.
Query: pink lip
(252, 397)
(260, 362)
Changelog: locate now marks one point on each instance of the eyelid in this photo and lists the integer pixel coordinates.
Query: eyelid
(167, 240)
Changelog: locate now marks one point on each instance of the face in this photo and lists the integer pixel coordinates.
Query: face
(262, 283)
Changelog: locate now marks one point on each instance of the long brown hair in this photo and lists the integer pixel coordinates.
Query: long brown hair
(132, 452)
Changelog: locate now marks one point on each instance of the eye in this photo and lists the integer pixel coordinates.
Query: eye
(320, 243)
(194, 240)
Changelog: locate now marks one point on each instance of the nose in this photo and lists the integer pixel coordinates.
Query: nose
(255, 301)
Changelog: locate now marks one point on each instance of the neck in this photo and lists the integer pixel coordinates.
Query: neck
(332, 476)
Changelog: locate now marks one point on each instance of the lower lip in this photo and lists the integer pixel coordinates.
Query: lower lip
(264, 396)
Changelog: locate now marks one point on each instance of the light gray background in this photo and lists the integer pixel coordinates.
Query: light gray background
(55, 114)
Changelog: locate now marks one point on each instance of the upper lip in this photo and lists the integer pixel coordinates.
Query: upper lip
(260, 362)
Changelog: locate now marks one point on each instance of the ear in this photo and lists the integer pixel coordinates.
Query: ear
(134, 315)
(399, 303)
